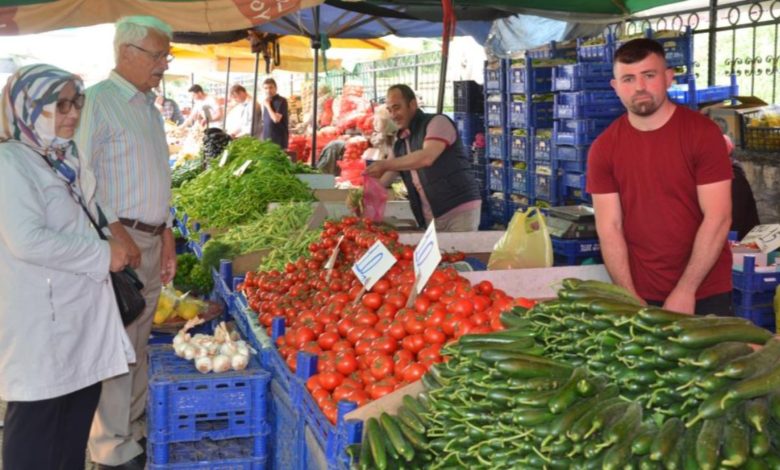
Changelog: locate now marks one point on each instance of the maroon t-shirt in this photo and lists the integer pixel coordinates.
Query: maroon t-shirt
(656, 174)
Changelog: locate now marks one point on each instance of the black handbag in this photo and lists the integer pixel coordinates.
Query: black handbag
(127, 286)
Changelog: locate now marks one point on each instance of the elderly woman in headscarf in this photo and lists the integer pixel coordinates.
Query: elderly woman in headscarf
(61, 333)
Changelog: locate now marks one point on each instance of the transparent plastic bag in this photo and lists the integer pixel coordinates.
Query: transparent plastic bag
(374, 199)
(526, 243)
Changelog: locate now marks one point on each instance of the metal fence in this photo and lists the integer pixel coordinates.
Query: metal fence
(739, 37)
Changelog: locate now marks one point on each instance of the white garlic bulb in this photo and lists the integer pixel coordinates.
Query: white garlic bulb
(221, 363)
(203, 364)
(228, 349)
(189, 352)
(239, 361)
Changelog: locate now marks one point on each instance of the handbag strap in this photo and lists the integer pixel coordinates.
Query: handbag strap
(80, 202)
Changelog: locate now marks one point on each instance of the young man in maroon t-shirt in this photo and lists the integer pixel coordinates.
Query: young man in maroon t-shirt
(660, 177)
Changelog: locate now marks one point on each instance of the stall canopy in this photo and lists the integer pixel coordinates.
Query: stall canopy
(296, 54)
(36, 16)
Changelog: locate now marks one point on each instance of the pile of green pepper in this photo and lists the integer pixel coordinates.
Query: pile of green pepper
(593, 380)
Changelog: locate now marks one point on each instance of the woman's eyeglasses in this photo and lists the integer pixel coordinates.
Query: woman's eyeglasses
(64, 106)
(155, 56)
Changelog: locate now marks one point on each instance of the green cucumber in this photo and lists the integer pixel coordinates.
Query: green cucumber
(736, 444)
(377, 442)
(708, 443)
(417, 440)
(718, 355)
(757, 413)
(624, 427)
(396, 437)
(705, 336)
(760, 443)
(667, 436)
(753, 363)
(758, 385)
(567, 394)
(644, 439)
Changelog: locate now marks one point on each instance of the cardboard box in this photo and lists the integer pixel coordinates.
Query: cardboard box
(248, 261)
(729, 116)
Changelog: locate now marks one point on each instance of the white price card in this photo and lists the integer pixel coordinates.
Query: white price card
(426, 257)
(223, 158)
(332, 260)
(373, 265)
(242, 168)
(766, 237)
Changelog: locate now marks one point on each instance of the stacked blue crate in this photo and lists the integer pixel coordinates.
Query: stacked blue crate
(754, 292)
(205, 421)
(497, 141)
(530, 113)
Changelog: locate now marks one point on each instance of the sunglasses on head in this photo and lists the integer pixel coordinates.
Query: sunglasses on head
(64, 106)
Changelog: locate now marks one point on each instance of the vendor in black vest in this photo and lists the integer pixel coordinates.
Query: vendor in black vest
(433, 163)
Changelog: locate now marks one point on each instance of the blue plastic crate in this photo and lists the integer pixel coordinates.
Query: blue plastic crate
(582, 76)
(574, 180)
(571, 153)
(761, 316)
(542, 150)
(185, 405)
(495, 111)
(578, 131)
(495, 76)
(748, 280)
(468, 96)
(286, 438)
(554, 50)
(682, 94)
(596, 52)
(576, 247)
(518, 78)
(498, 208)
(230, 454)
(519, 147)
(678, 50)
(536, 115)
(469, 125)
(496, 178)
(587, 104)
(753, 299)
(496, 146)
(544, 187)
(561, 260)
(520, 182)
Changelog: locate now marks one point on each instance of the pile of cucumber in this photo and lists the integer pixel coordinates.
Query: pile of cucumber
(592, 380)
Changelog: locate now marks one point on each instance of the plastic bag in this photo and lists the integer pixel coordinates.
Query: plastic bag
(374, 199)
(526, 243)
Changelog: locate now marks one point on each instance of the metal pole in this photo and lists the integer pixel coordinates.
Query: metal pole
(227, 95)
(163, 87)
(712, 46)
(443, 75)
(315, 44)
(192, 97)
(254, 90)
(416, 71)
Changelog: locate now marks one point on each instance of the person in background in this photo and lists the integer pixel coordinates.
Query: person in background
(239, 117)
(122, 137)
(433, 163)
(744, 213)
(61, 333)
(660, 178)
(169, 110)
(205, 109)
(275, 115)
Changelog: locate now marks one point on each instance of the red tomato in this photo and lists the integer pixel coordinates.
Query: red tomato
(313, 383)
(385, 345)
(461, 307)
(356, 333)
(381, 366)
(433, 292)
(413, 343)
(344, 326)
(450, 323)
(366, 319)
(346, 363)
(397, 330)
(421, 304)
(381, 388)
(430, 355)
(434, 336)
(381, 286)
(330, 380)
(525, 303)
(341, 346)
(414, 325)
(372, 300)
(363, 346)
(396, 300)
(327, 340)
(480, 318)
(484, 287)
(413, 372)
(435, 318)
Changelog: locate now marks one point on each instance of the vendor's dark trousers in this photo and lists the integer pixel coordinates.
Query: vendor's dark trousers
(718, 304)
(49, 434)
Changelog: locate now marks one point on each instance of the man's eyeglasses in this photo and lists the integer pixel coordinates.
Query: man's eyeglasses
(155, 56)
(64, 106)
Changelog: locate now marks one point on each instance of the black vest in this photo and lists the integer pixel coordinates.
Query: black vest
(448, 183)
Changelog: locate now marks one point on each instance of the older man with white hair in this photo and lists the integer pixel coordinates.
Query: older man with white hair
(122, 139)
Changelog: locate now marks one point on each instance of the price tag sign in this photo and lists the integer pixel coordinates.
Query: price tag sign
(373, 265)
(223, 158)
(766, 237)
(426, 257)
(242, 168)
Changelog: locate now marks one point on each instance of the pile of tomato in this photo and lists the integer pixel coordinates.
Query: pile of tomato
(368, 343)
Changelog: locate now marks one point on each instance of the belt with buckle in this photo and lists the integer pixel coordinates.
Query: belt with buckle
(138, 225)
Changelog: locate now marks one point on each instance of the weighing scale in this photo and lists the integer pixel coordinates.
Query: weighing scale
(572, 222)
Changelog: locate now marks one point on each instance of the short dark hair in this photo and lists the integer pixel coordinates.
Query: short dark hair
(406, 92)
(636, 50)
(196, 89)
(237, 88)
(270, 81)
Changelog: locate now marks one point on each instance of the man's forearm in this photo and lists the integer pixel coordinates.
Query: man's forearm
(411, 161)
(614, 250)
(707, 247)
